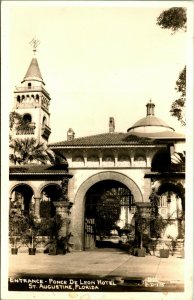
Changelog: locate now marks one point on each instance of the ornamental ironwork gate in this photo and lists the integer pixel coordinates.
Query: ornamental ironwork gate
(90, 238)
(108, 213)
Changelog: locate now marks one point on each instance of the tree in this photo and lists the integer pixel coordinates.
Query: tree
(16, 122)
(28, 150)
(16, 226)
(175, 19)
(178, 106)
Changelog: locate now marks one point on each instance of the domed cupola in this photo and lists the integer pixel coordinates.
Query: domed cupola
(150, 123)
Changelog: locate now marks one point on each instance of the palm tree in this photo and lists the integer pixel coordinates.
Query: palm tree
(28, 150)
(16, 121)
(178, 161)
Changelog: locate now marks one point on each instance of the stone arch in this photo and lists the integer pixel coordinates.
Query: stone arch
(172, 204)
(22, 198)
(170, 184)
(79, 201)
(161, 161)
(175, 187)
(49, 193)
(27, 118)
(109, 175)
(31, 186)
(45, 185)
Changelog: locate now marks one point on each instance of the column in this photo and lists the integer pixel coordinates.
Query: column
(100, 158)
(85, 157)
(63, 210)
(115, 157)
(148, 153)
(132, 154)
(69, 158)
(37, 207)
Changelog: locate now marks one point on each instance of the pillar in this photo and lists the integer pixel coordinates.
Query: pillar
(100, 158)
(132, 154)
(37, 207)
(115, 158)
(85, 157)
(63, 210)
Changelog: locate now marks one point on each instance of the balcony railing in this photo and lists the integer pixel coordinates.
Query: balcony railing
(45, 131)
(29, 129)
(27, 104)
(32, 88)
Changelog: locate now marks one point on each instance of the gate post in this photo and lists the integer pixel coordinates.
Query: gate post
(142, 221)
(63, 207)
(63, 210)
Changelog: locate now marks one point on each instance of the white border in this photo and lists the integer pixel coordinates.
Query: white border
(6, 6)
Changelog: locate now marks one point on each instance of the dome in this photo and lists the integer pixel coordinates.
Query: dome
(150, 123)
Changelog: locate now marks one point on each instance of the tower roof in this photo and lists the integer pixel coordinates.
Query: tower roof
(33, 72)
(150, 122)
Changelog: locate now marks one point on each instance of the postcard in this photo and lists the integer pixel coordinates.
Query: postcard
(97, 126)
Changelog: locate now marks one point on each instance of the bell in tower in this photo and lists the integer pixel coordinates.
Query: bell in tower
(31, 101)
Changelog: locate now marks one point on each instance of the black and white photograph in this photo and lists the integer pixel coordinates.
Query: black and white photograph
(97, 126)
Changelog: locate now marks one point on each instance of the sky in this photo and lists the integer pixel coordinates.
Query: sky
(97, 61)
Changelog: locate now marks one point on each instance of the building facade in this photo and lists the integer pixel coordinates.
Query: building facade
(107, 176)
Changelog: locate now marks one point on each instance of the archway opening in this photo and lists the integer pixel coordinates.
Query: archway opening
(109, 214)
(27, 118)
(172, 208)
(49, 194)
(22, 199)
(161, 161)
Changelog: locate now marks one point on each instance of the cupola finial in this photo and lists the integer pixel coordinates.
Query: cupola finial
(111, 125)
(34, 42)
(150, 108)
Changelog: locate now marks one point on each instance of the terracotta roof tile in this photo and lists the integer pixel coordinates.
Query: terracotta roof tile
(111, 139)
(38, 169)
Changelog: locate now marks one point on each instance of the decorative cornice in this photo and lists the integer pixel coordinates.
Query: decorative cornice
(155, 175)
(100, 147)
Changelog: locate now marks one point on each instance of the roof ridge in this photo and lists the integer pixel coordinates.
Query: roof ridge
(90, 136)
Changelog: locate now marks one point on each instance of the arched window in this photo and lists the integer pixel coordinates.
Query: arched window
(140, 161)
(108, 161)
(29, 85)
(124, 160)
(93, 161)
(18, 99)
(22, 199)
(78, 159)
(161, 161)
(27, 118)
(44, 122)
(49, 194)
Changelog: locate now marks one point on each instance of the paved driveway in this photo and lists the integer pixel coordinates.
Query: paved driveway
(101, 264)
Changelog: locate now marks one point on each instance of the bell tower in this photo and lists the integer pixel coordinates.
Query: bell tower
(31, 101)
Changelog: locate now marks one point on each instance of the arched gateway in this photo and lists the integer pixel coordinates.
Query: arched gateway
(120, 192)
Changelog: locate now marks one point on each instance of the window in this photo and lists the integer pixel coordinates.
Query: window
(140, 161)
(44, 121)
(27, 118)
